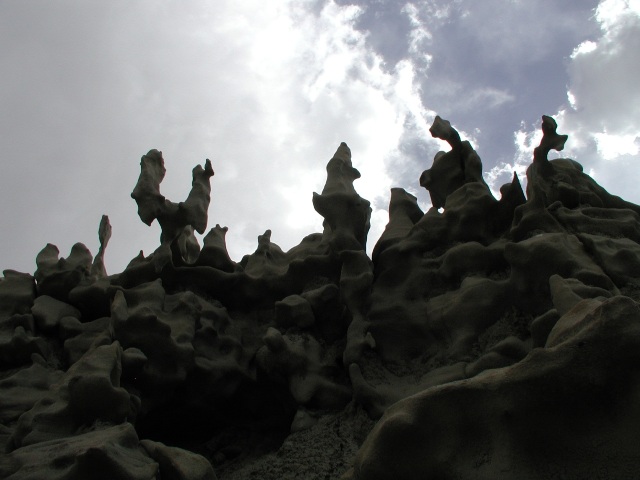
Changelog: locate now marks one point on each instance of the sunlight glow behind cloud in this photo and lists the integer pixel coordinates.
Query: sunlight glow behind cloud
(268, 91)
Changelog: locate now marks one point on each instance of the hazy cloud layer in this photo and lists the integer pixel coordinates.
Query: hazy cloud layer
(267, 91)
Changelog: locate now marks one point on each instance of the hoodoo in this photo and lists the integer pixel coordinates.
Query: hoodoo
(485, 339)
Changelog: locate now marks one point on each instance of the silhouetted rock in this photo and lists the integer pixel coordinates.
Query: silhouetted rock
(98, 269)
(177, 220)
(214, 251)
(484, 338)
(346, 214)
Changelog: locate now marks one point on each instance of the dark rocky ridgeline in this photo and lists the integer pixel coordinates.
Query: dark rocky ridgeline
(484, 339)
(506, 331)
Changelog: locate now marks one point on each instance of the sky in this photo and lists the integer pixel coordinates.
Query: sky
(268, 90)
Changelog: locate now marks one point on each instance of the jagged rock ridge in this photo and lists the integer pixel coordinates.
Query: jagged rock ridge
(484, 338)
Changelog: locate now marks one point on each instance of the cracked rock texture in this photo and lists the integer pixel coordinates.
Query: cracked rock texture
(485, 338)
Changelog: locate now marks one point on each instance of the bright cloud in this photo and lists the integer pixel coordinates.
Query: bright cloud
(585, 47)
(603, 118)
(266, 91)
(613, 146)
(612, 14)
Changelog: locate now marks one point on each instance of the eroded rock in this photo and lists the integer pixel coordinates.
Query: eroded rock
(488, 338)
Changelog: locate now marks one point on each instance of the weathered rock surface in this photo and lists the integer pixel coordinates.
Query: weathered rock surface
(346, 214)
(485, 338)
(569, 408)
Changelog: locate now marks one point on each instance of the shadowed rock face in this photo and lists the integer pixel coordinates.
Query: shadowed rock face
(453, 169)
(484, 338)
(346, 214)
(177, 220)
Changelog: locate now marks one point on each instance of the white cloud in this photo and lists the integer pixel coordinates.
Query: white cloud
(612, 14)
(267, 91)
(524, 141)
(603, 118)
(419, 38)
(613, 146)
(585, 47)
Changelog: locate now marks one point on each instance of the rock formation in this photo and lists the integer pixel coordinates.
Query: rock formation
(485, 338)
(346, 214)
(177, 220)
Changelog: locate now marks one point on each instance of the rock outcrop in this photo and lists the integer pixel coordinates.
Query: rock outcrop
(486, 338)
(346, 214)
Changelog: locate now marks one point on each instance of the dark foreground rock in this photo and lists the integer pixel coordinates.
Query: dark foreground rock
(565, 411)
(483, 339)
